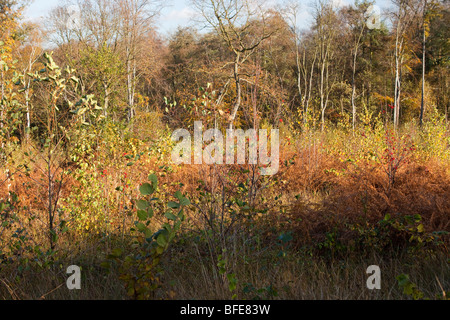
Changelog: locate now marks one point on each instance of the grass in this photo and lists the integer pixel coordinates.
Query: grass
(309, 232)
(297, 277)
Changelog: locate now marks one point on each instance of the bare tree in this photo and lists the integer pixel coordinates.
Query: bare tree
(326, 26)
(232, 20)
(136, 22)
(357, 24)
(403, 19)
(303, 61)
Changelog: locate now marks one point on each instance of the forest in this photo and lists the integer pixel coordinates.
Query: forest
(91, 102)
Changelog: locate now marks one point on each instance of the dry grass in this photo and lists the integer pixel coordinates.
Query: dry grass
(314, 194)
(297, 277)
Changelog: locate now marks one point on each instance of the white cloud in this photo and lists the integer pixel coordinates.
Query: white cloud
(184, 14)
(340, 3)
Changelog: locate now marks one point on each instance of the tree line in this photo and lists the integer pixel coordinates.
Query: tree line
(244, 64)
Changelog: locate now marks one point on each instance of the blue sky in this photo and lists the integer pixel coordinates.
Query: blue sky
(177, 12)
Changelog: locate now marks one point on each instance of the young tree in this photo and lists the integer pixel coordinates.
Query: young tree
(136, 22)
(29, 51)
(105, 69)
(403, 19)
(357, 23)
(62, 120)
(304, 49)
(429, 10)
(325, 27)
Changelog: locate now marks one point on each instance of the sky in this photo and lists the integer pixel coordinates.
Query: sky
(177, 12)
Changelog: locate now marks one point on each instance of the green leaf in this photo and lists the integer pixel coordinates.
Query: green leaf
(161, 240)
(178, 195)
(141, 227)
(148, 233)
(181, 215)
(232, 281)
(142, 204)
(154, 180)
(173, 204)
(185, 201)
(169, 215)
(142, 215)
(146, 189)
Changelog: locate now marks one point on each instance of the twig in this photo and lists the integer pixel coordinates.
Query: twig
(46, 294)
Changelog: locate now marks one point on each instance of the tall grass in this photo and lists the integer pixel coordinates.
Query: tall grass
(308, 232)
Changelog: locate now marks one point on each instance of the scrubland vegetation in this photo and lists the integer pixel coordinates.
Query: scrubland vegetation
(87, 176)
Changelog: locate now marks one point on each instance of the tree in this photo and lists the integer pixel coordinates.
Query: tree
(303, 49)
(438, 51)
(136, 21)
(62, 122)
(113, 36)
(10, 11)
(29, 52)
(325, 27)
(403, 20)
(429, 10)
(357, 21)
(233, 20)
(105, 71)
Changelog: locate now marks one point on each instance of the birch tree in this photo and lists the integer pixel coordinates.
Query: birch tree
(325, 26)
(403, 18)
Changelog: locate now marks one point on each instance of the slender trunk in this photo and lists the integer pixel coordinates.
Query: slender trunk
(310, 86)
(299, 79)
(50, 200)
(353, 94)
(399, 90)
(395, 89)
(2, 105)
(238, 89)
(27, 135)
(129, 84)
(353, 79)
(322, 71)
(133, 88)
(397, 54)
(107, 93)
(327, 95)
(422, 104)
